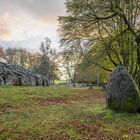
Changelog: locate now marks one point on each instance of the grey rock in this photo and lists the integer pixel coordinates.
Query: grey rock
(32, 81)
(1, 81)
(122, 92)
(39, 80)
(101, 115)
(12, 79)
(16, 75)
(45, 82)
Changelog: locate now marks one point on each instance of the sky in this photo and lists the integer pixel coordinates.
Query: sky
(26, 23)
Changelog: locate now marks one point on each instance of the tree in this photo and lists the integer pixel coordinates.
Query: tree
(33, 60)
(71, 57)
(110, 27)
(2, 53)
(48, 64)
(10, 55)
(23, 56)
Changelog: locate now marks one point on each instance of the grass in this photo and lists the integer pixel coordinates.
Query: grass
(62, 113)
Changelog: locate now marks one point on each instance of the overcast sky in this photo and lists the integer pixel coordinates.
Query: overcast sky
(25, 23)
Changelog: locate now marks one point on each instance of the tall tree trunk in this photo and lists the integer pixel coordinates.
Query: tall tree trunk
(138, 60)
(138, 49)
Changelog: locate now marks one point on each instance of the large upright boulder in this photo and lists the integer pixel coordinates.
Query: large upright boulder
(122, 92)
(32, 81)
(45, 82)
(39, 80)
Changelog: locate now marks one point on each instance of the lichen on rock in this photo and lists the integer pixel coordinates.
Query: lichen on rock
(11, 74)
(122, 92)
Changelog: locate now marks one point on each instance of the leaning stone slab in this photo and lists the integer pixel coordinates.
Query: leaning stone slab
(122, 92)
(1, 81)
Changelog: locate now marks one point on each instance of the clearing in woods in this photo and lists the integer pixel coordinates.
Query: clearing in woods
(62, 113)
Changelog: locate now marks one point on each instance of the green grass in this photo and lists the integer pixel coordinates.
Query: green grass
(62, 113)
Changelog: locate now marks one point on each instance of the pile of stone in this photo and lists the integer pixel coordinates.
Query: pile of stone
(16, 75)
(122, 92)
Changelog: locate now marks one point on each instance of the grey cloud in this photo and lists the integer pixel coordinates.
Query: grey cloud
(34, 7)
(41, 10)
(30, 44)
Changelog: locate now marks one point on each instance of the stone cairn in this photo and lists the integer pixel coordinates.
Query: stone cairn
(11, 74)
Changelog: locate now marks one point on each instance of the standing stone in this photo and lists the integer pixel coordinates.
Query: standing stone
(39, 80)
(45, 82)
(32, 81)
(27, 81)
(122, 92)
(22, 80)
(1, 81)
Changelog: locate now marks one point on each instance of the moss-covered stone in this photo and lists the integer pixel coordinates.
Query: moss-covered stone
(130, 105)
(122, 92)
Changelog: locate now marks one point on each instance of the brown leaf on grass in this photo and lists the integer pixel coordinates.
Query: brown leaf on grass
(90, 132)
(80, 95)
(59, 136)
(134, 130)
(51, 101)
(5, 108)
(2, 129)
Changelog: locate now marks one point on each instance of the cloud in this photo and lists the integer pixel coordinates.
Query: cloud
(4, 28)
(23, 23)
(32, 44)
(26, 32)
(36, 8)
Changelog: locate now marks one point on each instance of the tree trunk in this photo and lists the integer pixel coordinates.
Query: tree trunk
(138, 60)
(138, 49)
